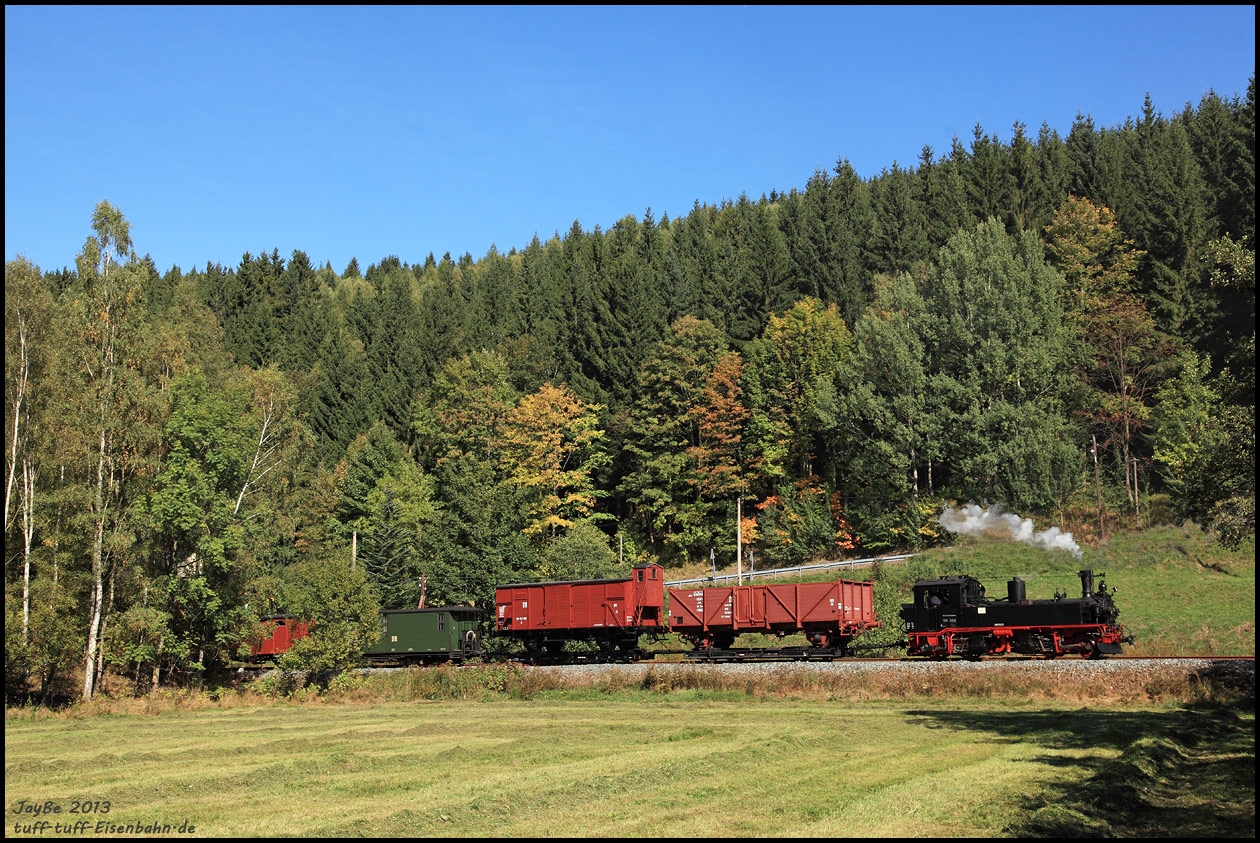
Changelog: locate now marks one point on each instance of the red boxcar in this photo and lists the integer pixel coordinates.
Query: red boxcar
(282, 632)
(609, 613)
(830, 614)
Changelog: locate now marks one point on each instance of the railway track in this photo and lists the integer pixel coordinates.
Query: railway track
(809, 659)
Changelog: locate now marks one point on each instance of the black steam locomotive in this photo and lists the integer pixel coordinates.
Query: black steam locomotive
(951, 616)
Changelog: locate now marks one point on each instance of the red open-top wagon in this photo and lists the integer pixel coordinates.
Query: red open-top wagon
(829, 614)
(611, 613)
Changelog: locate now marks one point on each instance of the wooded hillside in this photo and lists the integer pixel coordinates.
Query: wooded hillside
(1059, 325)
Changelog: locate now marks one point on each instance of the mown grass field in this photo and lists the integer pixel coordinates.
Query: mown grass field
(497, 750)
(678, 764)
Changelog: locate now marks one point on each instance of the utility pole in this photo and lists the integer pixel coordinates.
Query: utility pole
(1102, 530)
(1137, 513)
(739, 540)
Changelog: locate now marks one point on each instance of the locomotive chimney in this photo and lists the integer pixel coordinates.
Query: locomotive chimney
(1087, 582)
(1015, 592)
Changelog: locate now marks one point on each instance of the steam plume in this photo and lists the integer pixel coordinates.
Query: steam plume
(973, 520)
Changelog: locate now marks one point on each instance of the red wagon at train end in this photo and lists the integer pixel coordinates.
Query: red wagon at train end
(281, 633)
(610, 613)
(829, 614)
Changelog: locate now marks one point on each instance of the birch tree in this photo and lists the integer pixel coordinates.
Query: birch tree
(27, 306)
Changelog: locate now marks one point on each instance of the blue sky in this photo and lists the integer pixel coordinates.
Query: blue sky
(374, 131)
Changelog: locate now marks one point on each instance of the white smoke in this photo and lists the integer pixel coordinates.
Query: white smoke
(972, 520)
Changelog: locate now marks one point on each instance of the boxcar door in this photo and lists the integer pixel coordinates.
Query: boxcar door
(750, 606)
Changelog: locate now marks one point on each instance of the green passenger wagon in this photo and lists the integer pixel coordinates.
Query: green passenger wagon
(428, 636)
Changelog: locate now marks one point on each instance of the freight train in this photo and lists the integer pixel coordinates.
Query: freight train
(605, 620)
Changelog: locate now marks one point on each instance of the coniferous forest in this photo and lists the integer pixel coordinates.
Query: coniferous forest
(1061, 325)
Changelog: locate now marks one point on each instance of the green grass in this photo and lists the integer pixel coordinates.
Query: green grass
(664, 764)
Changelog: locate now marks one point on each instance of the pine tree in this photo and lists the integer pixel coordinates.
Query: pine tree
(389, 554)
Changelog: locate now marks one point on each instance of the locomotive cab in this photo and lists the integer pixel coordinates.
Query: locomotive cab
(945, 602)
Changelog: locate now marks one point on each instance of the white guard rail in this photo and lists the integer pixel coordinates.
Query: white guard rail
(775, 573)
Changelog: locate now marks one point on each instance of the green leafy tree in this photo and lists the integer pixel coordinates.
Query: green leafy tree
(55, 638)
(370, 458)
(785, 367)
(385, 502)
(1085, 243)
(136, 642)
(551, 451)
(464, 409)
(1232, 273)
(877, 420)
(212, 511)
(997, 357)
(1205, 450)
(582, 553)
(343, 613)
(661, 429)
(476, 539)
